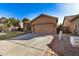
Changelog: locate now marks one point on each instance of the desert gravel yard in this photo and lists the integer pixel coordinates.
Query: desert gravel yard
(32, 44)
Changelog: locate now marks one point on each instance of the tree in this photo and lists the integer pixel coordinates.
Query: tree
(59, 28)
(8, 22)
(25, 19)
(13, 22)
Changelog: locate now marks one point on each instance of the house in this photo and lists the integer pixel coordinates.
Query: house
(27, 26)
(44, 23)
(3, 21)
(71, 23)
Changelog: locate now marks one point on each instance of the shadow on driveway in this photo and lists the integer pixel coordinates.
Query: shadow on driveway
(29, 36)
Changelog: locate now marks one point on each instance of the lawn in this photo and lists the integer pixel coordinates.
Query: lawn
(11, 34)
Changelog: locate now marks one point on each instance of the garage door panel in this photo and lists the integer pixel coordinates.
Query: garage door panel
(44, 28)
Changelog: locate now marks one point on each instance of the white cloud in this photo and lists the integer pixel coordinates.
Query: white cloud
(68, 9)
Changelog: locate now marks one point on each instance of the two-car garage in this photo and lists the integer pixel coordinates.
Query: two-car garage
(44, 23)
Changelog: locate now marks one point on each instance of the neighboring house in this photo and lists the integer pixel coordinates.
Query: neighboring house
(27, 26)
(71, 23)
(3, 21)
(44, 23)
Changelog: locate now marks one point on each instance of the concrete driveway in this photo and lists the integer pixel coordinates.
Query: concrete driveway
(2, 34)
(32, 44)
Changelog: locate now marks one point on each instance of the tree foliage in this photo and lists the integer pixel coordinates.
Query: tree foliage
(9, 21)
(25, 19)
(13, 22)
(59, 28)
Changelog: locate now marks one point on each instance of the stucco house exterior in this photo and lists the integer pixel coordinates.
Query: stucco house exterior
(71, 23)
(27, 26)
(44, 23)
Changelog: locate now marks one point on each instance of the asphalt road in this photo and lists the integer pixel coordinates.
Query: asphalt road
(26, 45)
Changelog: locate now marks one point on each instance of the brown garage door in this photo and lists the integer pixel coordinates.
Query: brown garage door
(45, 28)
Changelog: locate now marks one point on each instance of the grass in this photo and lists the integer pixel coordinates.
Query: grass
(11, 34)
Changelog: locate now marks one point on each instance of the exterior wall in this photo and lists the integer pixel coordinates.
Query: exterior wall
(44, 24)
(67, 25)
(75, 25)
(71, 24)
(66, 22)
(27, 26)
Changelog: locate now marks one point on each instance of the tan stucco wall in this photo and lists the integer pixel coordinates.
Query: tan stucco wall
(74, 23)
(66, 22)
(70, 24)
(26, 25)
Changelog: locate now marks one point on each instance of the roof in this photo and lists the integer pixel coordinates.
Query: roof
(77, 16)
(26, 22)
(72, 17)
(46, 16)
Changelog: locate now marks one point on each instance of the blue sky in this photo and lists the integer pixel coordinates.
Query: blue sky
(32, 10)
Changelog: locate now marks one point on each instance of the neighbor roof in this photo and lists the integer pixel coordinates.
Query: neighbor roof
(72, 17)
